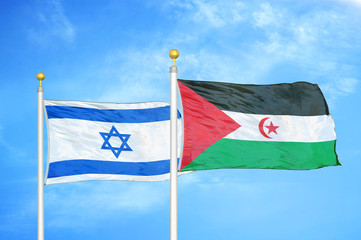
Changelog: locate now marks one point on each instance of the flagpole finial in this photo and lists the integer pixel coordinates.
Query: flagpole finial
(40, 76)
(173, 54)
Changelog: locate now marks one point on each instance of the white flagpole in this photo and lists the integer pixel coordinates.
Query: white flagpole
(40, 76)
(173, 148)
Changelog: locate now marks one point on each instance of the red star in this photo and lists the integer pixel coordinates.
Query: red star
(272, 128)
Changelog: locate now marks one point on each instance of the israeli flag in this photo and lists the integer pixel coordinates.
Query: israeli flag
(108, 141)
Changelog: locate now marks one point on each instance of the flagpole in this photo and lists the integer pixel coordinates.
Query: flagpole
(173, 148)
(40, 76)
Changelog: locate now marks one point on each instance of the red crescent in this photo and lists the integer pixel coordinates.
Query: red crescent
(260, 126)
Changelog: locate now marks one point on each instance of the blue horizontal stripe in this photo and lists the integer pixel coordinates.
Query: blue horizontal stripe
(111, 115)
(78, 167)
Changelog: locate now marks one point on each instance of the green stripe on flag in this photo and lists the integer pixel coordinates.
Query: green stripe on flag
(230, 153)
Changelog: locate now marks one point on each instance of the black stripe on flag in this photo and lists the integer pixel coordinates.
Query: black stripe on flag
(300, 98)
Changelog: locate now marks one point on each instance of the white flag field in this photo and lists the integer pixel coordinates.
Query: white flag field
(108, 141)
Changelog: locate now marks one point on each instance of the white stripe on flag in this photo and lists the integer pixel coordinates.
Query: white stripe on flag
(86, 177)
(289, 128)
(98, 105)
(81, 139)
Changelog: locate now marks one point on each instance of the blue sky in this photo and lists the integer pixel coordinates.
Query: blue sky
(117, 51)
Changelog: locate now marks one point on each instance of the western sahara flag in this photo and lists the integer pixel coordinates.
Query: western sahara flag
(281, 126)
(107, 141)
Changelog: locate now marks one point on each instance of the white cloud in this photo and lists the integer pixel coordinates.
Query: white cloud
(353, 2)
(218, 15)
(212, 187)
(214, 14)
(268, 16)
(348, 85)
(83, 204)
(306, 41)
(311, 42)
(86, 204)
(184, 181)
(140, 77)
(52, 24)
(339, 87)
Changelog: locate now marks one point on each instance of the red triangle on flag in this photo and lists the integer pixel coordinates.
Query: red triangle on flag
(204, 124)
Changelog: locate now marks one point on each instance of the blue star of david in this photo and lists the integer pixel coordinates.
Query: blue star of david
(114, 133)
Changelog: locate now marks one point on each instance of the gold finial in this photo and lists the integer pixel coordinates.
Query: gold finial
(40, 76)
(173, 54)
